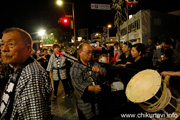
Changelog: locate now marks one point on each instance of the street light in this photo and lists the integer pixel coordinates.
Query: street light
(108, 26)
(60, 2)
(41, 33)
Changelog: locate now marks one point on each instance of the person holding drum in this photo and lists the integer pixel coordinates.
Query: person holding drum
(86, 76)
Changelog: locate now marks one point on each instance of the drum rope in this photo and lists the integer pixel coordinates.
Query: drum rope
(162, 102)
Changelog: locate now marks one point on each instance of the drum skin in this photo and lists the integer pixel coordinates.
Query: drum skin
(143, 86)
(153, 94)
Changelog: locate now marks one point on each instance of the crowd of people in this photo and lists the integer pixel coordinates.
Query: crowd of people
(163, 57)
(35, 76)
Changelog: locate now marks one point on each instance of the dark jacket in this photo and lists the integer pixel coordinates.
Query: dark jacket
(167, 65)
(124, 59)
(141, 64)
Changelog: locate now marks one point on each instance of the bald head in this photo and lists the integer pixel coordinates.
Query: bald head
(81, 47)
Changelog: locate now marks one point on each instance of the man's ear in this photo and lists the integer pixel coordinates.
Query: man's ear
(29, 48)
(79, 52)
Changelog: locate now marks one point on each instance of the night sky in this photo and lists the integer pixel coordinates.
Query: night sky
(32, 15)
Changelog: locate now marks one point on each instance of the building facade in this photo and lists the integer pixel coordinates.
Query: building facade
(150, 24)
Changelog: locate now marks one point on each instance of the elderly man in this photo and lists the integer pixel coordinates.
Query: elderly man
(27, 93)
(85, 75)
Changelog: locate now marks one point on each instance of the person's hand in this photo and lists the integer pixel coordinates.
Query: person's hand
(44, 57)
(164, 73)
(96, 69)
(95, 89)
(159, 60)
(128, 62)
(122, 65)
(118, 60)
(50, 75)
(38, 58)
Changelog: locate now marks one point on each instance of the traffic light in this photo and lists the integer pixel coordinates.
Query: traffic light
(64, 21)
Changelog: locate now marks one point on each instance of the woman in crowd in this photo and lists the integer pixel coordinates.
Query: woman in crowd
(140, 62)
(126, 55)
(117, 52)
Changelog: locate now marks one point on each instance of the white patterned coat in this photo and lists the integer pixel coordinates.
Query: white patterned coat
(32, 94)
(57, 63)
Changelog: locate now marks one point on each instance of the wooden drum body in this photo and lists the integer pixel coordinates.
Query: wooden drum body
(152, 94)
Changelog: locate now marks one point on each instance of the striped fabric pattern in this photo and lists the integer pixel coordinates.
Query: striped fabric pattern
(80, 81)
(32, 94)
(55, 64)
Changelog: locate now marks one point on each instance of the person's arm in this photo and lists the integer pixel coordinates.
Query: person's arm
(156, 56)
(117, 56)
(35, 98)
(119, 60)
(77, 79)
(82, 86)
(97, 68)
(41, 57)
(50, 74)
(171, 73)
(122, 65)
(50, 64)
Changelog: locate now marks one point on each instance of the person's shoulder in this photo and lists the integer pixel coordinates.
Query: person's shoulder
(76, 67)
(146, 45)
(175, 51)
(142, 60)
(123, 54)
(76, 64)
(158, 50)
(34, 67)
(95, 64)
(52, 55)
(48, 56)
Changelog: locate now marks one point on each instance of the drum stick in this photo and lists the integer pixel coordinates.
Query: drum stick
(72, 58)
